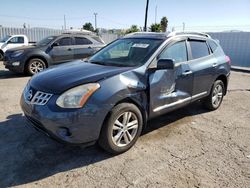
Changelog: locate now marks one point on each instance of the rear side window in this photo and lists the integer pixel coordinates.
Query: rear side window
(82, 41)
(66, 41)
(212, 45)
(199, 49)
(177, 51)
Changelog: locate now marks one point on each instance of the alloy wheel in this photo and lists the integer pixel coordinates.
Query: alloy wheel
(217, 95)
(124, 129)
(36, 66)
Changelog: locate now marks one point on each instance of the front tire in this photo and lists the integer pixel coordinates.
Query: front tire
(34, 66)
(214, 100)
(122, 128)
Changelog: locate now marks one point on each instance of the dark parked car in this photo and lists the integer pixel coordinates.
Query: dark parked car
(110, 98)
(51, 50)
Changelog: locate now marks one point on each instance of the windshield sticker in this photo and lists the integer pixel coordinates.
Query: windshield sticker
(140, 45)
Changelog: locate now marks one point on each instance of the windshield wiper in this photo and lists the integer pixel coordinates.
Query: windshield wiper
(98, 63)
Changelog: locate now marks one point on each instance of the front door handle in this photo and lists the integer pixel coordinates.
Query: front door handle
(187, 72)
(89, 47)
(215, 65)
(69, 49)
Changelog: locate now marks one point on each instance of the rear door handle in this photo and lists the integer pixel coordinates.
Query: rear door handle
(215, 65)
(187, 72)
(89, 47)
(69, 49)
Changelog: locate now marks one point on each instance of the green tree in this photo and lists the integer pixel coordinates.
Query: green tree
(132, 29)
(88, 26)
(164, 24)
(155, 27)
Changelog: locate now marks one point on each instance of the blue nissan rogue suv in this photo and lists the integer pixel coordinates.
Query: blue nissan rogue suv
(110, 97)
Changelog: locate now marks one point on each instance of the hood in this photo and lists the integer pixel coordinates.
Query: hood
(31, 47)
(61, 78)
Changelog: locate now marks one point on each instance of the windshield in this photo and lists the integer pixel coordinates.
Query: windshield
(46, 41)
(5, 38)
(128, 52)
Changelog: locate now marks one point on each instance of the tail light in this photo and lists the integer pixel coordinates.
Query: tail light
(228, 60)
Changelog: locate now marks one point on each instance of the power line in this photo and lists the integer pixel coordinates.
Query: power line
(45, 19)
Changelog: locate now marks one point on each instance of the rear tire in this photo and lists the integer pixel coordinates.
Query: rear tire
(34, 66)
(214, 100)
(122, 128)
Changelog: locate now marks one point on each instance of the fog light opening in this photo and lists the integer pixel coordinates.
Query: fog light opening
(64, 132)
(16, 63)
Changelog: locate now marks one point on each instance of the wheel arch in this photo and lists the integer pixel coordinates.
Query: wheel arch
(223, 78)
(137, 104)
(38, 57)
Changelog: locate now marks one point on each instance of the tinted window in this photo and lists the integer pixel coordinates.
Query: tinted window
(82, 41)
(17, 40)
(66, 41)
(212, 45)
(46, 41)
(177, 51)
(199, 49)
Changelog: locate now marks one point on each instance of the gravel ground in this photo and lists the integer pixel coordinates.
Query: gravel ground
(190, 147)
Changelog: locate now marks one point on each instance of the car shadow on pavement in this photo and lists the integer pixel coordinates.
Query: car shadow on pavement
(27, 155)
(171, 117)
(5, 74)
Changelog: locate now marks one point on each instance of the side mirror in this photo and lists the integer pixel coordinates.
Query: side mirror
(165, 64)
(55, 44)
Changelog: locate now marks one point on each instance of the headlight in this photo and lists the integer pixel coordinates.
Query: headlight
(77, 96)
(17, 53)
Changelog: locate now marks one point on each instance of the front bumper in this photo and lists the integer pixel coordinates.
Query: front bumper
(8, 63)
(78, 126)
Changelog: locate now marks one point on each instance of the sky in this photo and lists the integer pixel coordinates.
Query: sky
(224, 14)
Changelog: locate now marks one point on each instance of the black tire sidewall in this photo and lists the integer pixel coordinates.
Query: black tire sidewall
(106, 136)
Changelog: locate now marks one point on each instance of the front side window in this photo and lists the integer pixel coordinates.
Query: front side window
(16, 40)
(82, 41)
(127, 52)
(66, 41)
(199, 49)
(177, 52)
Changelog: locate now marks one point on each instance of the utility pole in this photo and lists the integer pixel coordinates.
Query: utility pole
(155, 13)
(64, 18)
(146, 17)
(183, 26)
(95, 20)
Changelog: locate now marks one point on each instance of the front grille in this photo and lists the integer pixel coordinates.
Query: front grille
(39, 98)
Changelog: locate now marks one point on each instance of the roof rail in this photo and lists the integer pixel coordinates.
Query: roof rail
(190, 33)
(85, 32)
(148, 33)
